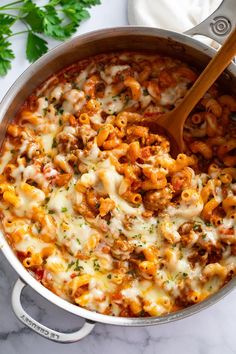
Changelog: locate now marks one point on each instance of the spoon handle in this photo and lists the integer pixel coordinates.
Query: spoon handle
(213, 70)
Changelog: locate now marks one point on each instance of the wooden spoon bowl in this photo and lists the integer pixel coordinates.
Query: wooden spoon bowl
(172, 123)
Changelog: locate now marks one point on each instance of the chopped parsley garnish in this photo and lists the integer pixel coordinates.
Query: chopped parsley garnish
(127, 98)
(60, 111)
(51, 211)
(197, 227)
(70, 265)
(78, 267)
(207, 223)
(137, 236)
(96, 264)
(63, 210)
(152, 229)
(45, 111)
(109, 276)
(39, 228)
(54, 143)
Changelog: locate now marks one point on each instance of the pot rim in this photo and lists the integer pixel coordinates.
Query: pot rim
(5, 247)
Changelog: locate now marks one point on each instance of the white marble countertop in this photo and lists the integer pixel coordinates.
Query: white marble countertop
(209, 332)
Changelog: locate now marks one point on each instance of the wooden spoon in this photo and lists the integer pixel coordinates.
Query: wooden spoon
(173, 122)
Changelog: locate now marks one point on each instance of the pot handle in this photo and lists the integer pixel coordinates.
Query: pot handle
(37, 327)
(219, 24)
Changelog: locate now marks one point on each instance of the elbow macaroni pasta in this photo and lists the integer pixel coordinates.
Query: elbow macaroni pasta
(94, 205)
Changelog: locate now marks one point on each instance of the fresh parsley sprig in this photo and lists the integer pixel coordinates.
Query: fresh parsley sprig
(58, 19)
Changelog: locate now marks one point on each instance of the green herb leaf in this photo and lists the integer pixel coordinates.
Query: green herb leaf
(36, 47)
(207, 223)
(152, 229)
(145, 92)
(70, 265)
(6, 55)
(78, 267)
(54, 2)
(54, 143)
(96, 264)
(197, 227)
(6, 22)
(75, 12)
(52, 24)
(89, 3)
(45, 110)
(57, 19)
(33, 16)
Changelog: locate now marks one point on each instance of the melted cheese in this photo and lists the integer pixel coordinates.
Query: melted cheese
(171, 95)
(184, 210)
(112, 103)
(111, 71)
(59, 200)
(111, 181)
(5, 159)
(47, 141)
(127, 254)
(28, 201)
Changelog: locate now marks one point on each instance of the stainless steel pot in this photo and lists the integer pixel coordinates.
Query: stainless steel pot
(217, 26)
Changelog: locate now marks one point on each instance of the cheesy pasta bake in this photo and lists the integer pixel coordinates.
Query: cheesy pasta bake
(95, 206)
